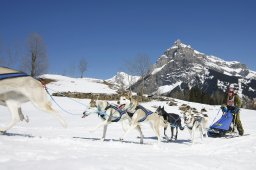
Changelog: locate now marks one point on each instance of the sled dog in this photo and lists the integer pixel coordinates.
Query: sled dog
(173, 119)
(196, 122)
(109, 113)
(17, 90)
(138, 115)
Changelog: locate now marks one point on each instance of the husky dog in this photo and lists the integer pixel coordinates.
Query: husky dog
(138, 115)
(109, 113)
(196, 121)
(17, 90)
(173, 119)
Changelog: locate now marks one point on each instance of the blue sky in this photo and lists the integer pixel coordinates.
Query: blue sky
(109, 32)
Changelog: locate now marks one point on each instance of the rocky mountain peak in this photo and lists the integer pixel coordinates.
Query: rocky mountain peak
(185, 56)
(177, 42)
(181, 68)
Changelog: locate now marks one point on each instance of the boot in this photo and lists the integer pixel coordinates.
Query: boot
(241, 133)
(239, 125)
(240, 128)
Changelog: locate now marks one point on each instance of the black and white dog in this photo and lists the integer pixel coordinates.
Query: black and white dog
(173, 119)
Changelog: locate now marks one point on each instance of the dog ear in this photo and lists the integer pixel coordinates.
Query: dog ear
(129, 94)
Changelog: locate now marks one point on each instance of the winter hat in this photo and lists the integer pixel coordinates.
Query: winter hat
(231, 90)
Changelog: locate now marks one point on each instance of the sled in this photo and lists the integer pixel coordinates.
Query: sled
(222, 126)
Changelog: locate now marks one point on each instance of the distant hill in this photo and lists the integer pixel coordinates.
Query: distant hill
(83, 85)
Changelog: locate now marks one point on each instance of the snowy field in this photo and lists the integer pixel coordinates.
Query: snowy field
(42, 144)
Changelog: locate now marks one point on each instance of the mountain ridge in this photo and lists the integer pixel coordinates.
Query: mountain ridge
(182, 68)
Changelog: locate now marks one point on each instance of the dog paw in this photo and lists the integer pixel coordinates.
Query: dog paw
(171, 140)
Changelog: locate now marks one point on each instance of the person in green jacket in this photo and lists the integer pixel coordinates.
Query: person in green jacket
(232, 102)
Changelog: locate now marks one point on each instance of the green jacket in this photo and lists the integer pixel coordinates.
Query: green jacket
(237, 101)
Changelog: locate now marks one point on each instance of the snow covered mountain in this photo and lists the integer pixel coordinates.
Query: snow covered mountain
(182, 68)
(122, 80)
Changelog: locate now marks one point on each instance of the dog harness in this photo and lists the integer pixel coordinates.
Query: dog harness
(175, 124)
(196, 119)
(130, 113)
(147, 112)
(12, 75)
(104, 116)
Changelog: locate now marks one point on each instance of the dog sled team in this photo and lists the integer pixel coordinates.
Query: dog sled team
(17, 88)
(129, 109)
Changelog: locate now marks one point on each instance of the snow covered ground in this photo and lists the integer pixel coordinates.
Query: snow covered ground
(42, 144)
(83, 85)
